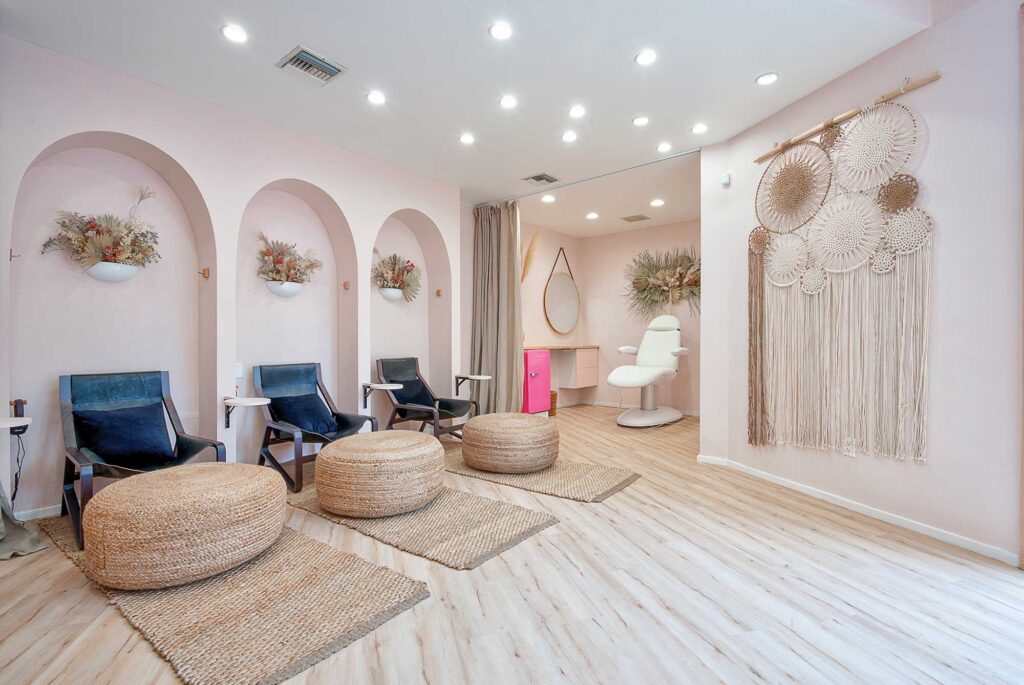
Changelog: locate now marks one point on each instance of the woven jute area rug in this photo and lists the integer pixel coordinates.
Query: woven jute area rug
(266, 620)
(567, 479)
(458, 529)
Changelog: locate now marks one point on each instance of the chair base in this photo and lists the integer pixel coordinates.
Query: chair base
(646, 418)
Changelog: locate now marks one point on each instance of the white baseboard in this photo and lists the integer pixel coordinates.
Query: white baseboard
(902, 521)
(41, 513)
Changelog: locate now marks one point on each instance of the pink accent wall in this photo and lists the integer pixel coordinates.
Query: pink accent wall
(598, 264)
(216, 161)
(970, 177)
(609, 323)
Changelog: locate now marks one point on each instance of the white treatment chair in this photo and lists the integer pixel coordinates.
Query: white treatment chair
(657, 362)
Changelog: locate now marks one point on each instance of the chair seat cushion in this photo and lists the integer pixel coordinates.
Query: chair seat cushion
(182, 524)
(639, 376)
(308, 412)
(133, 437)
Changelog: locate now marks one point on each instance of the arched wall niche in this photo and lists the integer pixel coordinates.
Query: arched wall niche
(321, 323)
(422, 328)
(63, 321)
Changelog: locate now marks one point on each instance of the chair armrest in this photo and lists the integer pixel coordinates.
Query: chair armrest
(284, 427)
(628, 349)
(83, 456)
(420, 407)
(190, 445)
(680, 351)
(352, 420)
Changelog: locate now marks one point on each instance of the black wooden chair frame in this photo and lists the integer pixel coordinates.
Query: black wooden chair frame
(295, 435)
(83, 465)
(435, 422)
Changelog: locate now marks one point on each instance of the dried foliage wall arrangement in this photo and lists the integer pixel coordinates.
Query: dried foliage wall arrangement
(657, 281)
(839, 293)
(527, 256)
(395, 271)
(91, 239)
(281, 262)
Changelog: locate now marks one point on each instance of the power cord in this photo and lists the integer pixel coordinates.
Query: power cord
(19, 460)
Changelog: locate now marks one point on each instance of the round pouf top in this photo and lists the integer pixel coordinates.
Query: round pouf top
(371, 475)
(509, 443)
(181, 524)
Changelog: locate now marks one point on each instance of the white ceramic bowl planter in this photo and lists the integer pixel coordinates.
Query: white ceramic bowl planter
(112, 272)
(284, 288)
(391, 294)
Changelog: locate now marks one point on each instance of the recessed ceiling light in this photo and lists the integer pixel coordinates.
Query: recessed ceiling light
(657, 202)
(577, 111)
(376, 97)
(664, 147)
(593, 215)
(645, 57)
(699, 128)
(569, 136)
(548, 198)
(500, 30)
(767, 79)
(641, 121)
(234, 33)
(508, 101)
(467, 139)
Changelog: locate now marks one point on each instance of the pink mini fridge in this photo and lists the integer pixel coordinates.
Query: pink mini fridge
(536, 381)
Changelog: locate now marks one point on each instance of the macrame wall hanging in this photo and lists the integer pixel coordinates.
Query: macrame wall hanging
(839, 290)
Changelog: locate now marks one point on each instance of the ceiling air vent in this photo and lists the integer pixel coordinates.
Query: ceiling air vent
(636, 217)
(311, 66)
(541, 180)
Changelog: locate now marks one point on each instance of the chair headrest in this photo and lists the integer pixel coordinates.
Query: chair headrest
(665, 322)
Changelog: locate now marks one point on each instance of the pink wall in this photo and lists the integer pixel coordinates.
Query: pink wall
(598, 264)
(970, 176)
(226, 158)
(608, 322)
(265, 332)
(65, 321)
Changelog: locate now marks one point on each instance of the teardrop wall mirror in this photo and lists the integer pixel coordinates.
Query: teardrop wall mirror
(561, 298)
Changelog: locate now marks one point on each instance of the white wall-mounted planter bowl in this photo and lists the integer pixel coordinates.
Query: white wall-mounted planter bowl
(392, 294)
(284, 288)
(112, 272)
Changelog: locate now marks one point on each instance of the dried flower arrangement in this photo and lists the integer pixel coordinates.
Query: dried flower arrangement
(660, 280)
(395, 271)
(281, 262)
(90, 240)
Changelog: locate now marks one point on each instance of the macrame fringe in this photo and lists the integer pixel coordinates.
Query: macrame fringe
(845, 369)
(758, 427)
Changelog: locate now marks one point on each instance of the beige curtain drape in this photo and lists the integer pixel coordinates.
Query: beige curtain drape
(497, 342)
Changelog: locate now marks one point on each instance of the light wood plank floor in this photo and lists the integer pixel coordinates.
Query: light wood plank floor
(692, 574)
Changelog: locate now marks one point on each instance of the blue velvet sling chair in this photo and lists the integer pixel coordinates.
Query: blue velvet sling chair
(115, 427)
(415, 401)
(300, 412)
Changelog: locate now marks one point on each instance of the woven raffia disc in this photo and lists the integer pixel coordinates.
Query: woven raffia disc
(758, 240)
(785, 259)
(899, 192)
(793, 187)
(813, 280)
(846, 232)
(875, 146)
(883, 261)
(908, 230)
(830, 136)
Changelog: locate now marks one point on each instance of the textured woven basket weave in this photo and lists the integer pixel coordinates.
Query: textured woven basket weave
(181, 524)
(371, 475)
(509, 443)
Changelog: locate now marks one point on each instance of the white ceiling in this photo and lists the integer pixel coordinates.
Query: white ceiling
(675, 180)
(443, 74)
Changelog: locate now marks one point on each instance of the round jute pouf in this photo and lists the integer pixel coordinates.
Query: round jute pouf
(370, 475)
(509, 443)
(181, 524)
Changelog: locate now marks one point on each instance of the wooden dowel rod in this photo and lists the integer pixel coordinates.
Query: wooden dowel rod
(846, 116)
